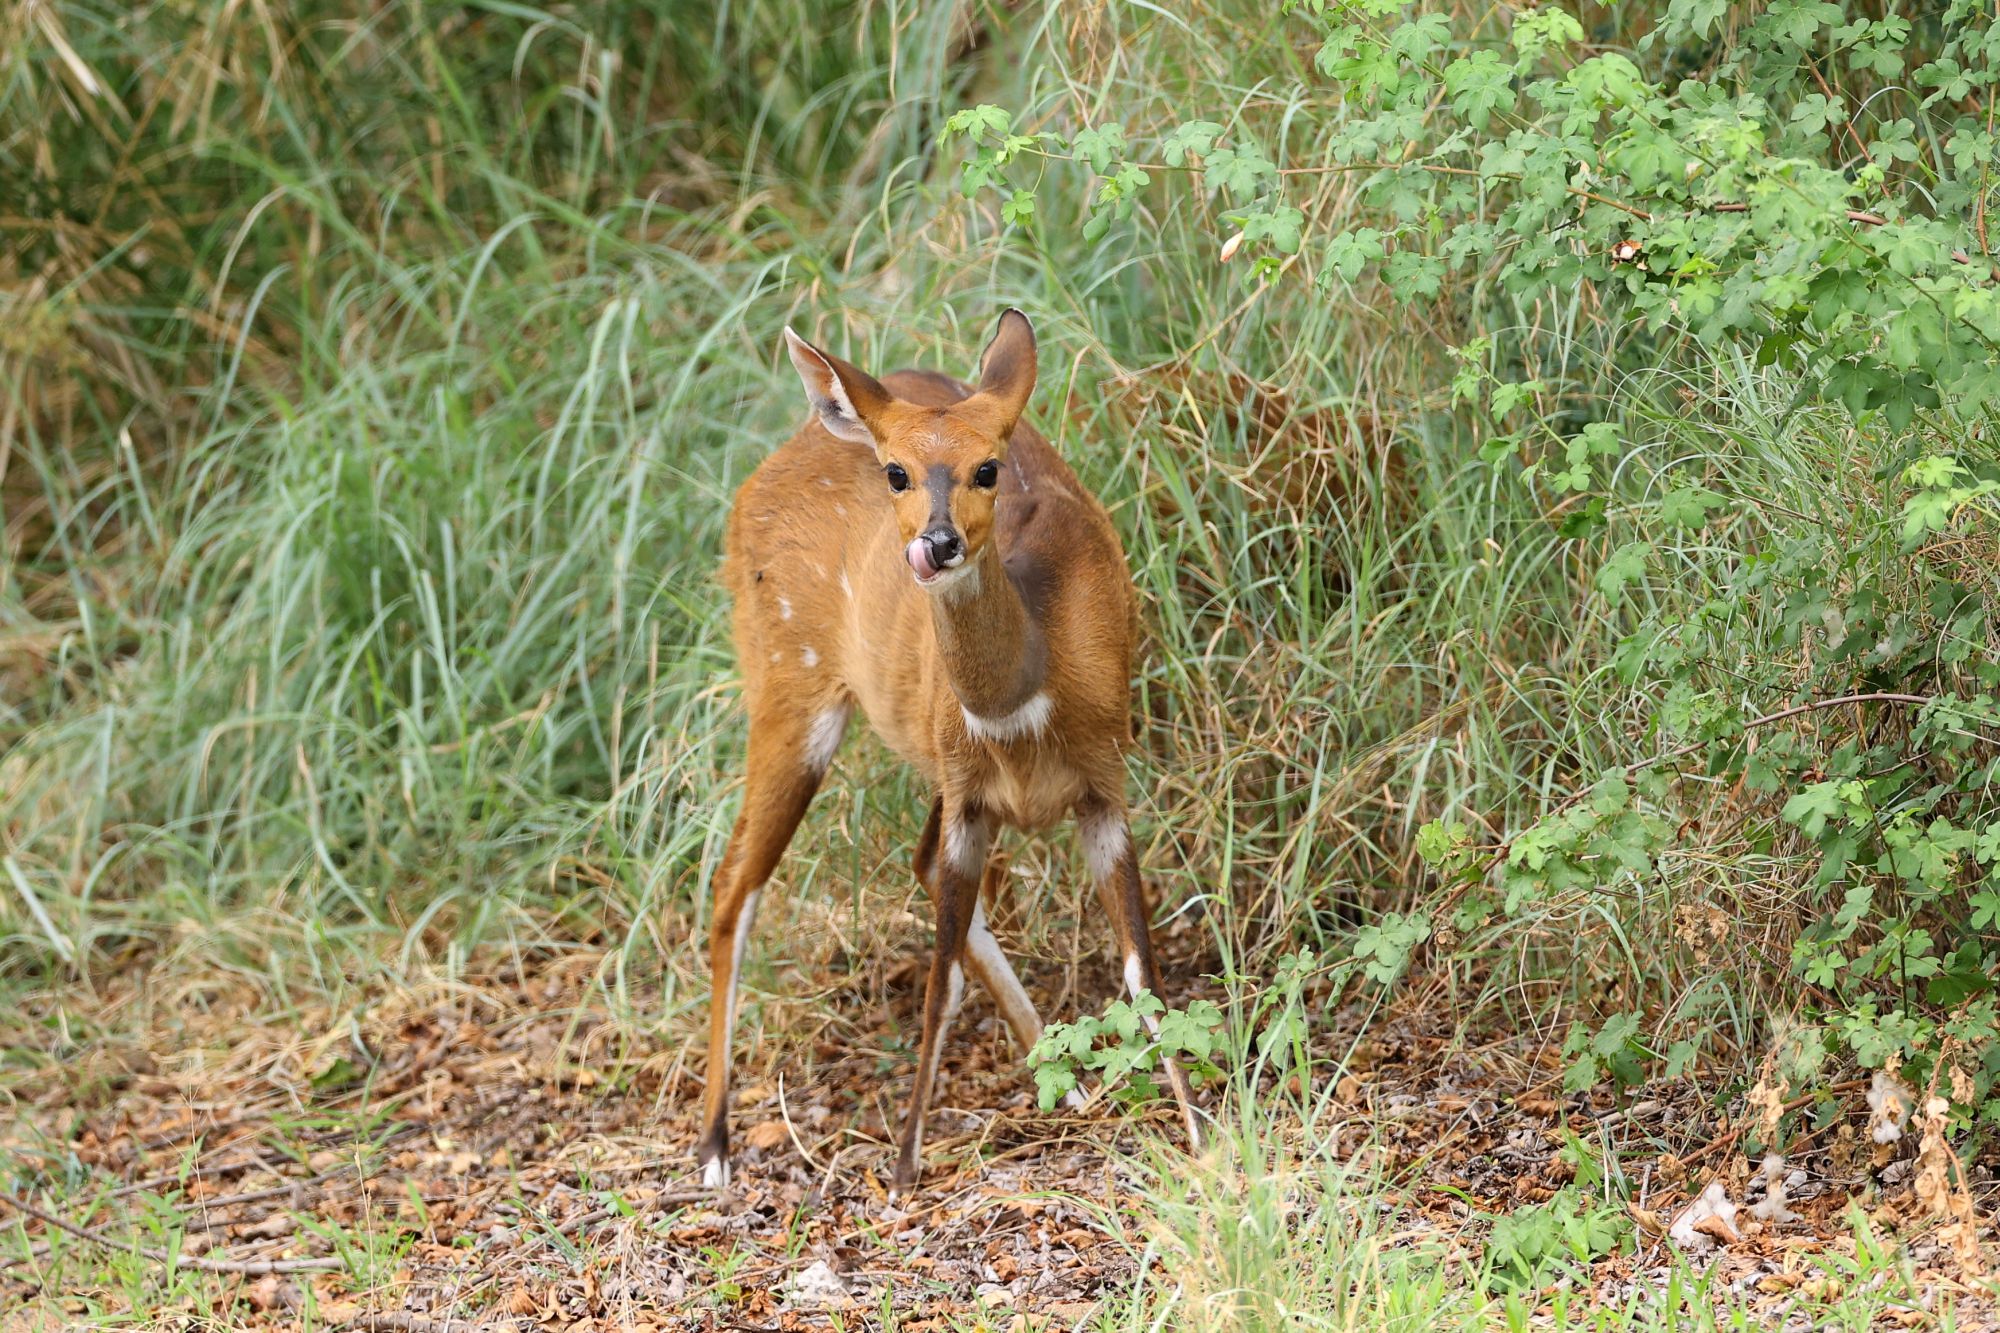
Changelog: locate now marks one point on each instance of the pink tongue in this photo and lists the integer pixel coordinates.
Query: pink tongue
(919, 556)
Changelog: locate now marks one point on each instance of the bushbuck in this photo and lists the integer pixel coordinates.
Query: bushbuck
(918, 551)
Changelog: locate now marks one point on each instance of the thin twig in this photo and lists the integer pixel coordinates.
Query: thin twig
(1723, 1142)
(396, 1321)
(251, 1267)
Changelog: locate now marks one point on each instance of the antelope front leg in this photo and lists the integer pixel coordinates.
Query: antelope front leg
(1114, 866)
(983, 955)
(778, 787)
(960, 863)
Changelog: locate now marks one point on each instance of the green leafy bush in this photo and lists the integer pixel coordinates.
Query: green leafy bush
(1782, 201)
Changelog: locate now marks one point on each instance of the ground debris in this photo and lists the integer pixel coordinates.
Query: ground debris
(521, 1195)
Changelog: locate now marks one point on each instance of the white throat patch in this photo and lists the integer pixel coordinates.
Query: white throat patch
(1029, 720)
(954, 584)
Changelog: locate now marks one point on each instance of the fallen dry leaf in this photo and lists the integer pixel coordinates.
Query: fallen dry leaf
(766, 1134)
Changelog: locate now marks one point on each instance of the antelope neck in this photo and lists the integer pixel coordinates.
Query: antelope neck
(992, 650)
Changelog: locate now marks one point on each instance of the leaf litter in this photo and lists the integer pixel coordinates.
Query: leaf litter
(504, 1152)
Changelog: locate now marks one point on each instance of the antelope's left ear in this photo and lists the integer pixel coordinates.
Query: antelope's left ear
(1006, 374)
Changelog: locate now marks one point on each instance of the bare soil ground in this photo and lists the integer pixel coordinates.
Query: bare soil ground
(500, 1151)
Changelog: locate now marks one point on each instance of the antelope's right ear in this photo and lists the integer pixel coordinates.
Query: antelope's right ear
(843, 397)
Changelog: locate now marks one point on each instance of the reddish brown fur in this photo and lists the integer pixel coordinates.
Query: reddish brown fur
(829, 616)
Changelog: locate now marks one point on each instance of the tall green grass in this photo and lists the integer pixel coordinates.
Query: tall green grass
(379, 388)
(385, 584)
(376, 390)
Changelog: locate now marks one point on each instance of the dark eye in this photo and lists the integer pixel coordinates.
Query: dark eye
(899, 480)
(988, 473)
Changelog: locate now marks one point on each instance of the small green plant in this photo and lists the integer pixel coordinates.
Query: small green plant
(1530, 1245)
(1124, 1047)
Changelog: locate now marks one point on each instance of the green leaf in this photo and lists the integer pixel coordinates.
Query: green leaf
(1626, 567)
(1411, 275)
(1240, 170)
(1813, 807)
(1100, 145)
(1689, 506)
(1352, 251)
(1281, 228)
(1019, 209)
(1478, 85)
(1439, 840)
(1053, 1082)
(1693, 18)
(1191, 139)
(1611, 794)
(1540, 31)
(972, 122)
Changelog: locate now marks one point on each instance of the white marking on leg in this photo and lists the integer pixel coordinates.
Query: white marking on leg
(808, 656)
(1135, 981)
(715, 1174)
(965, 845)
(954, 994)
(1106, 844)
(744, 918)
(1025, 722)
(784, 608)
(1008, 993)
(823, 736)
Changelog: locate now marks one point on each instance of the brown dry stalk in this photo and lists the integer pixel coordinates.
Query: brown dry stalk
(250, 1267)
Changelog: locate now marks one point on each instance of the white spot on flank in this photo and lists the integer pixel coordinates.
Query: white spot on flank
(1025, 722)
(826, 481)
(1105, 844)
(845, 586)
(807, 655)
(823, 737)
(777, 657)
(784, 608)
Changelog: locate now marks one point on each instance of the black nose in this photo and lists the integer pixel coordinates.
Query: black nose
(944, 546)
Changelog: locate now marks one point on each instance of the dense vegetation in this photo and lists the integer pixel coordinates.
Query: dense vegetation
(1550, 445)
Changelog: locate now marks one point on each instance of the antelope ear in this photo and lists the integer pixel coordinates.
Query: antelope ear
(843, 397)
(1006, 373)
